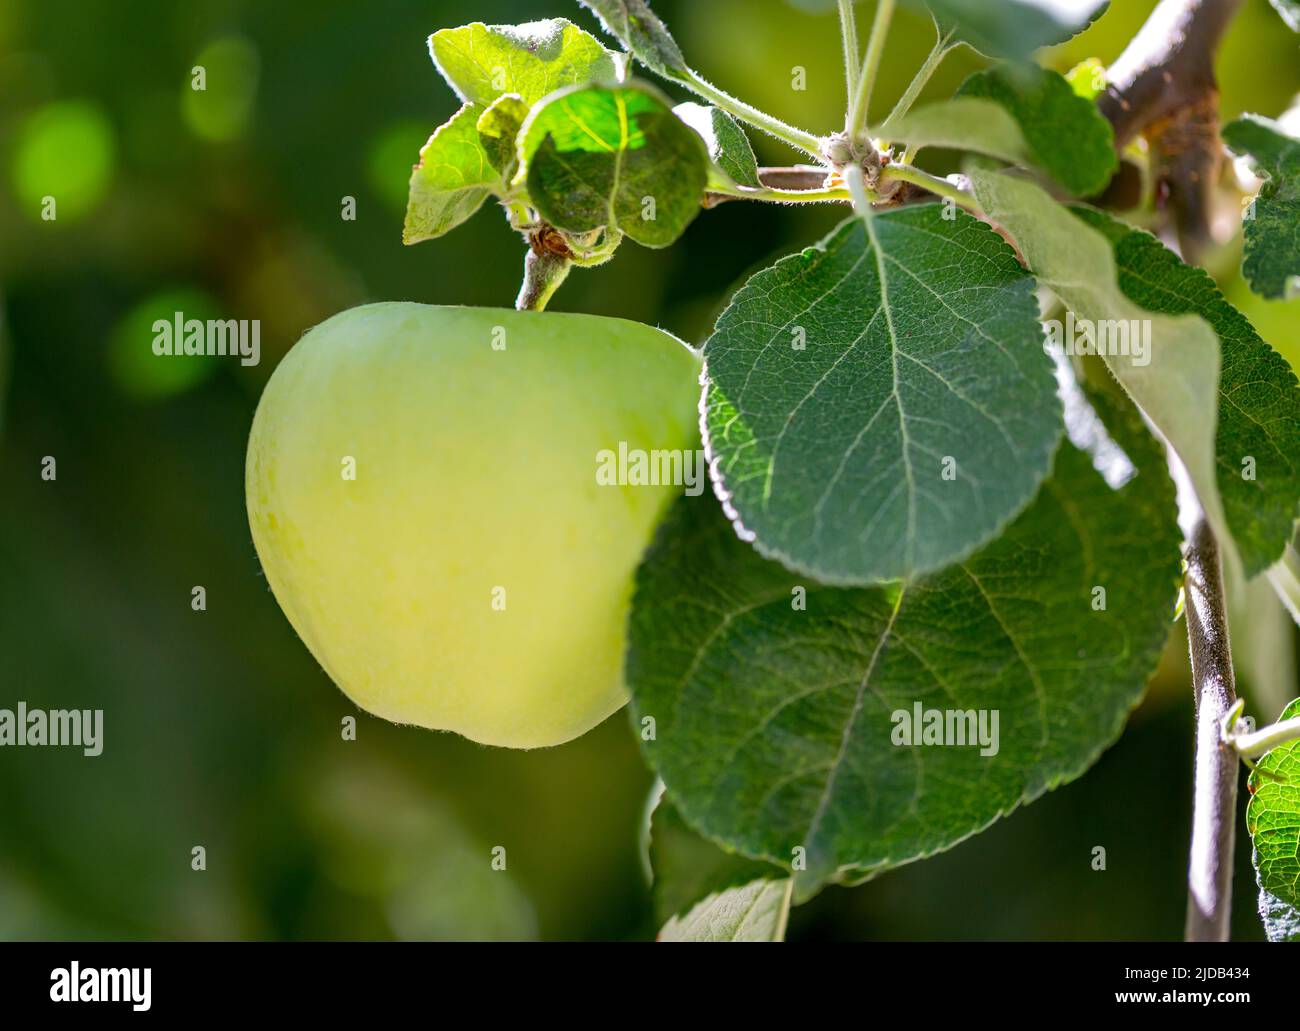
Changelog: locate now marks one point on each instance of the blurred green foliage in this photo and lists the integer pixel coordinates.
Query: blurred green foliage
(220, 730)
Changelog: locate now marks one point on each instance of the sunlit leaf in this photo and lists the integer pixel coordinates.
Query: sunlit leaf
(452, 180)
(616, 157)
(481, 62)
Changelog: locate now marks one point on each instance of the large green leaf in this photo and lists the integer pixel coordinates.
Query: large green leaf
(880, 405)
(1273, 818)
(453, 179)
(1272, 258)
(481, 62)
(1178, 387)
(1011, 28)
(729, 149)
(703, 893)
(615, 156)
(1257, 447)
(777, 701)
(1067, 135)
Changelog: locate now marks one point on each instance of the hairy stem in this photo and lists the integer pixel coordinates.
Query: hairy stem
(856, 124)
(544, 271)
(1214, 811)
(864, 197)
(932, 183)
(826, 195)
(797, 138)
(923, 74)
(852, 58)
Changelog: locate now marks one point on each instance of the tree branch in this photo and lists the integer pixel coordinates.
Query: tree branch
(1163, 86)
(1214, 810)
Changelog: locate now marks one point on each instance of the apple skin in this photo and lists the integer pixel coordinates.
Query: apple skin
(475, 469)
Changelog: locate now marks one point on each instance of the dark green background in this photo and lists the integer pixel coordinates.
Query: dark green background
(220, 729)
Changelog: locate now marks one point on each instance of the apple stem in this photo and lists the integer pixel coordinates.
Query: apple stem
(543, 274)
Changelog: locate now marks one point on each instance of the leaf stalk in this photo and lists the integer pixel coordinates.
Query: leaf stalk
(797, 138)
(852, 55)
(856, 124)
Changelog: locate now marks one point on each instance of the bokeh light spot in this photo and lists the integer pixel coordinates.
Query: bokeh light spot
(143, 375)
(392, 155)
(64, 151)
(227, 69)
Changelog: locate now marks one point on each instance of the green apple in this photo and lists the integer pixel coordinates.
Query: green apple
(423, 494)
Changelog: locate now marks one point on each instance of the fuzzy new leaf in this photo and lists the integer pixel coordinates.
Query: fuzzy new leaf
(481, 62)
(639, 29)
(730, 152)
(452, 180)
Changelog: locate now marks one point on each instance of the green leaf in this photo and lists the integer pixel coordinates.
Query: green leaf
(498, 131)
(481, 62)
(1290, 12)
(599, 156)
(452, 180)
(1067, 135)
(966, 123)
(732, 157)
(705, 894)
(1011, 28)
(1272, 258)
(1273, 819)
(1178, 388)
(639, 29)
(880, 405)
(778, 703)
(1259, 398)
